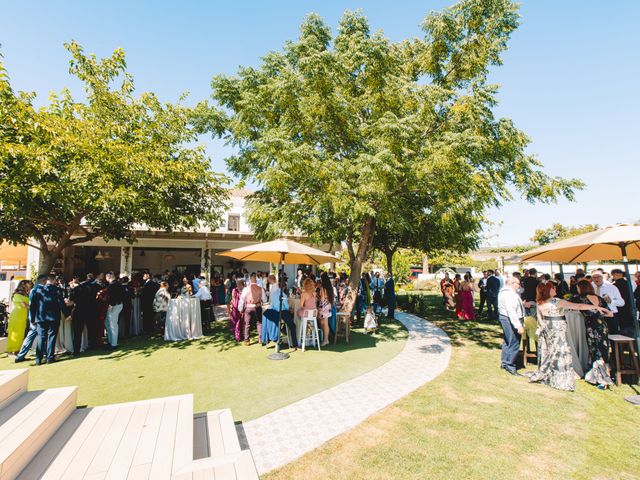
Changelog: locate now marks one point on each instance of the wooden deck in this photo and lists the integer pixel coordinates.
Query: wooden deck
(43, 436)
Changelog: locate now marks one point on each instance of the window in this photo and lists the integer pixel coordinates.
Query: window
(233, 224)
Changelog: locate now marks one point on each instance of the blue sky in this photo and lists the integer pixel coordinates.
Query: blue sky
(570, 79)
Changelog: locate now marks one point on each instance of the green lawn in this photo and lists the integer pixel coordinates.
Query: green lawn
(477, 422)
(219, 372)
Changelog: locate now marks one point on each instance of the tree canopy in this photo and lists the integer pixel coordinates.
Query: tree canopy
(337, 130)
(73, 170)
(557, 231)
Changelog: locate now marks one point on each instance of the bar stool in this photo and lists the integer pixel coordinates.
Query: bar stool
(618, 344)
(309, 319)
(342, 319)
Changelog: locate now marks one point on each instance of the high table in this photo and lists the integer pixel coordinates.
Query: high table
(183, 319)
(577, 339)
(64, 341)
(135, 327)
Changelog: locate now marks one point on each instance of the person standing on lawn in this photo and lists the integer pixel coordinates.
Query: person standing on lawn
(610, 293)
(625, 317)
(482, 287)
(390, 296)
(47, 308)
(115, 298)
(511, 314)
(251, 300)
(492, 289)
(32, 334)
(148, 296)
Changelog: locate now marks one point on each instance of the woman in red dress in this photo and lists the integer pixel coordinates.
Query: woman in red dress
(465, 308)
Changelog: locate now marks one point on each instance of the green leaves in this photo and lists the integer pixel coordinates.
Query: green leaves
(74, 170)
(558, 231)
(337, 131)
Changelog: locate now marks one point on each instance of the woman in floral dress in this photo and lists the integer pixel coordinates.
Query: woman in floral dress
(597, 335)
(235, 319)
(555, 366)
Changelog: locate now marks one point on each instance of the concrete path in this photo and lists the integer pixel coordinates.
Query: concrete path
(289, 432)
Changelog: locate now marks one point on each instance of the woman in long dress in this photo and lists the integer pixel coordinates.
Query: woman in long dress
(555, 367)
(597, 335)
(326, 299)
(161, 303)
(18, 317)
(465, 308)
(235, 318)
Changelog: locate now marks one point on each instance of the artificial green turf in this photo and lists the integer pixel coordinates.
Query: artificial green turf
(475, 421)
(218, 371)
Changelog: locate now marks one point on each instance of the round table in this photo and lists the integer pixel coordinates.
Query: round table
(183, 319)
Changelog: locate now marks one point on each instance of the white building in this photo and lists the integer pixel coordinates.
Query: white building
(157, 251)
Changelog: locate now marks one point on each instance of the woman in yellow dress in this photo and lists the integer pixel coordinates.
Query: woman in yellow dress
(18, 316)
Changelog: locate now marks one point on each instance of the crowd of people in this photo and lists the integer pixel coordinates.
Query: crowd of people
(324, 292)
(103, 305)
(602, 298)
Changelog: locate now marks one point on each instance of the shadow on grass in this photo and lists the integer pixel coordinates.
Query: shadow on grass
(482, 332)
(219, 338)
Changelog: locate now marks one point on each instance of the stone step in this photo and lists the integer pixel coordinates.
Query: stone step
(214, 434)
(27, 424)
(13, 383)
(148, 439)
(232, 466)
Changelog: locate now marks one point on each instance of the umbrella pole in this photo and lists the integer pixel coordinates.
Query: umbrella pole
(278, 355)
(634, 312)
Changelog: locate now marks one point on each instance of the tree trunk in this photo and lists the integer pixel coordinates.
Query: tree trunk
(366, 238)
(425, 263)
(48, 261)
(389, 255)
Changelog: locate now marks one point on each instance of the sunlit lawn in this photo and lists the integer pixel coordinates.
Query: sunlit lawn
(219, 372)
(477, 422)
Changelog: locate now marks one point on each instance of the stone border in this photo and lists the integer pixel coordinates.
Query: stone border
(282, 436)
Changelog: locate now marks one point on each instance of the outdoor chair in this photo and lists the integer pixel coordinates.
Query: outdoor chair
(619, 345)
(309, 321)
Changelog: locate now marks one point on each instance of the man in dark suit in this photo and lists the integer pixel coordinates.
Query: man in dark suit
(625, 317)
(47, 308)
(482, 286)
(149, 289)
(492, 289)
(390, 296)
(32, 335)
(85, 313)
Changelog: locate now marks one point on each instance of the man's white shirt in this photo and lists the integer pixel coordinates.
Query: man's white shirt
(613, 292)
(510, 305)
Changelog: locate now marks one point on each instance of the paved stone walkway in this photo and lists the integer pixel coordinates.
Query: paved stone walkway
(289, 432)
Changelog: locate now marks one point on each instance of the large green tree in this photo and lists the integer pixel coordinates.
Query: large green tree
(557, 231)
(335, 129)
(74, 170)
(438, 225)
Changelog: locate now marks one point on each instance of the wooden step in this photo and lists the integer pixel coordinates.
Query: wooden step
(28, 422)
(214, 434)
(149, 439)
(13, 383)
(233, 466)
